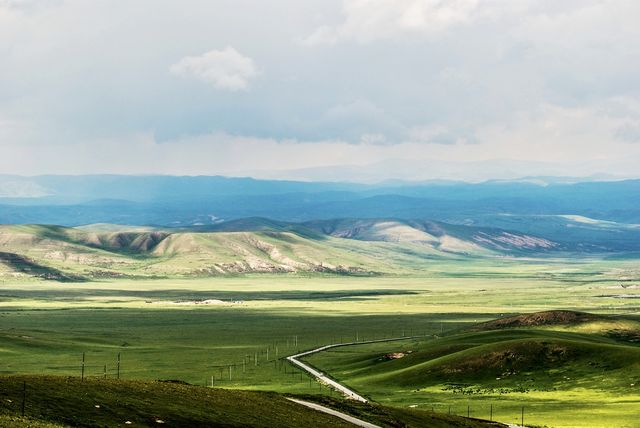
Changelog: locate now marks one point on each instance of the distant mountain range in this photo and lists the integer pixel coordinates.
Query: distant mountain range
(588, 216)
(438, 169)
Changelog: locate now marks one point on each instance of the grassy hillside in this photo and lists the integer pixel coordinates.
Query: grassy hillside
(579, 233)
(253, 246)
(438, 235)
(51, 252)
(343, 247)
(503, 359)
(58, 401)
(543, 366)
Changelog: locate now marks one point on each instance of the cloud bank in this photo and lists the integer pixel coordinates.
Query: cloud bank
(325, 85)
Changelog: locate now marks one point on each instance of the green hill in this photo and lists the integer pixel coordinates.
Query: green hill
(496, 359)
(345, 247)
(57, 401)
(543, 361)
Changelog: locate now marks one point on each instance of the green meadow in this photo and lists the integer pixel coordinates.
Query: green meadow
(551, 378)
(233, 332)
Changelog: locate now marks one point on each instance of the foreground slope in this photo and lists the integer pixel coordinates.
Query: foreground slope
(57, 401)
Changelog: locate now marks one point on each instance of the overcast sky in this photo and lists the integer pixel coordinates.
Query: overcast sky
(412, 89)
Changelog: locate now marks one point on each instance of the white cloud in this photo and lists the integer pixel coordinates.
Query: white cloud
(437, 134)
(562, 134)
(369, 20)
(13, 130)
(361, 121)
(225, 69)
(376, 138)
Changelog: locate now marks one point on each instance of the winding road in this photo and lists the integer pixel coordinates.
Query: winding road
(348, 393)
(321, 377)
(344, 416)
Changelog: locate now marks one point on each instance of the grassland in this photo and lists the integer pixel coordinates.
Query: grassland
(57, 401)
(195, 327)
(560, 375)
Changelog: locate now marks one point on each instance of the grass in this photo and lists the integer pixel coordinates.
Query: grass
(54, 401)
(562, 378)
(83, 253)
(70, 401)
(46, 326)
(191, 345)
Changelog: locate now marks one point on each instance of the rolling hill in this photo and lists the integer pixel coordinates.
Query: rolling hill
(540, 361)
(258, 245)
(537, 349)
(345, 247)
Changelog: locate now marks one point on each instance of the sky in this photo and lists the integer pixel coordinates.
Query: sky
(360, 90)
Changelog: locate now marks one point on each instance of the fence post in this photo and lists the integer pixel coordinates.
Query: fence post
(522, 416)
(491, 412)
(105, 371)
(118, 363)
(82, 369)
(24, 395)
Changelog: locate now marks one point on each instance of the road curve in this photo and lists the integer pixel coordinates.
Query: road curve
(344, 416)
(348, 393)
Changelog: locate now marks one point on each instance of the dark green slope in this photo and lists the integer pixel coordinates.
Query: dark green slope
(101, 402)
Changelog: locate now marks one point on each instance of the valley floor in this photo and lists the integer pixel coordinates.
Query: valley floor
(233, 332)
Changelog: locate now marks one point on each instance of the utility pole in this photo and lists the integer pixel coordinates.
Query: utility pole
(24, 395)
